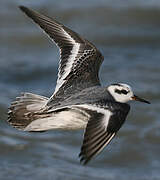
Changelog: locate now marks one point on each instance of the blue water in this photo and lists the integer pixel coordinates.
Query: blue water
(128, 35)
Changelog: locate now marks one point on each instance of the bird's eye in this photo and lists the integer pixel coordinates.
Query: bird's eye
(124, 91)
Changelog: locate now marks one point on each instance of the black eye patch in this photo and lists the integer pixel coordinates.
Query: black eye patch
(121, 91)
(117, 91)
(124, 91)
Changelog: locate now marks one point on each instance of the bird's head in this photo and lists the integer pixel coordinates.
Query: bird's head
(123, 93)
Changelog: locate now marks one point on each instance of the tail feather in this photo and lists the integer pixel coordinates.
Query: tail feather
(22, 111)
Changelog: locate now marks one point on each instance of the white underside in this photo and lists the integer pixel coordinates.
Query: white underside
(73, 119)
(66, 120)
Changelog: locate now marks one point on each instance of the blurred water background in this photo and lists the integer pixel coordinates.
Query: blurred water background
(128, 35)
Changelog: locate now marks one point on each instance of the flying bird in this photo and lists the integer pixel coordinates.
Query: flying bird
(79, 101)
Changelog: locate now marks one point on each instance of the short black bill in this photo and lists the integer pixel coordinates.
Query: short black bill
(136, 98)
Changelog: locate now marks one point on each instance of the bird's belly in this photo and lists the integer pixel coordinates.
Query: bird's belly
(71, 119)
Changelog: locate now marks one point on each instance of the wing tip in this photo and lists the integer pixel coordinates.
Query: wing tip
(23, 8)
(27, 11)
(83, 159)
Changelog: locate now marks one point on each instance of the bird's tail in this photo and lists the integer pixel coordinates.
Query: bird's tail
(23, 111)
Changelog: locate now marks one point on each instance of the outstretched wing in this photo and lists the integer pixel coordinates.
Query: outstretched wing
(101, 128)
(79, 59)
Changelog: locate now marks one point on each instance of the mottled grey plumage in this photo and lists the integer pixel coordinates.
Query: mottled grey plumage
(78, 100)
(87, 61)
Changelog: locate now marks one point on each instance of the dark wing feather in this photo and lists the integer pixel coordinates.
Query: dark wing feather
(80, 60)
(101, 128)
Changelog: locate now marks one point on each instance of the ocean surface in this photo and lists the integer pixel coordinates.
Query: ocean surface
(128, 35)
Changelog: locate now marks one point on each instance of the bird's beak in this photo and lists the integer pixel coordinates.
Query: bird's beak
(136, 98)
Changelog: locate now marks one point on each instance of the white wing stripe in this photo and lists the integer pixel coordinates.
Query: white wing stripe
(106, 112)
(69, 65)
(69, 37)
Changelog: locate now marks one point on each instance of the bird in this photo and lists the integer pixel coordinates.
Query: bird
(79, 101)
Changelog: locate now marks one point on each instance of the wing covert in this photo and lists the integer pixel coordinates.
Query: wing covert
(79, 59)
